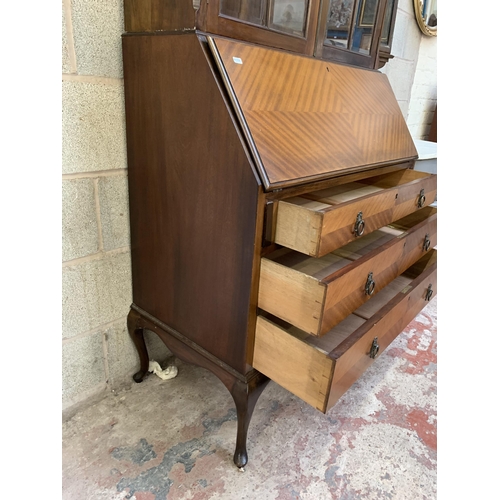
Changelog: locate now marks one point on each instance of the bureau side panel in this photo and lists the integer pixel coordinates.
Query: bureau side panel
(193, 196)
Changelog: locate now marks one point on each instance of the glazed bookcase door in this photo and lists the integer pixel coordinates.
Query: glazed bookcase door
(355, 32)
(349, 31)
(286, 16)
(387, 32)
(284, 24)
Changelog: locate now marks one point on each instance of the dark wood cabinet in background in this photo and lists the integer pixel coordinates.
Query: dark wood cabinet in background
(355, 32)
(278, 230)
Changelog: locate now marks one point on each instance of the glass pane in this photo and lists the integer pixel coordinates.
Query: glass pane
(289, 16)
(338, 24)
(387, 22)
(429, 12)
(363, 29)
(252, 11)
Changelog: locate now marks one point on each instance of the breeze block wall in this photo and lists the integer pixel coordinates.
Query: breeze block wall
(97, 353)
(413, 71)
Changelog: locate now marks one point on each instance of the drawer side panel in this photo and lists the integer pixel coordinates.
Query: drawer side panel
(291, 295)
(299, 368)
(298, 228)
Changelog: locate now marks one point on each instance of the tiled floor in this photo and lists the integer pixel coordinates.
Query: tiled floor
(175, 439)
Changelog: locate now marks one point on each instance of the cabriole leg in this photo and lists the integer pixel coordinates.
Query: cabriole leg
(245, 397)
(136, 332)
(244, 390)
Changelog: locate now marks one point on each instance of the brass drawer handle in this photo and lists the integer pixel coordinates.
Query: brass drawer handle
(359, 225)
(427, 243)
(429, 292)
(370, 285)
(421, 199)
(375, 348)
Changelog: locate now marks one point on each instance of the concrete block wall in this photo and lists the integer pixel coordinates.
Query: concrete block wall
(413, 71)
(97, 353)
(424, 92)
(96, 276)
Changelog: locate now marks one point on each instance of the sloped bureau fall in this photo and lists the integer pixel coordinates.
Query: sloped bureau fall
(278, 229)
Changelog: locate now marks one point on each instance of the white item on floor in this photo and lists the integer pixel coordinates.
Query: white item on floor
(166, 374)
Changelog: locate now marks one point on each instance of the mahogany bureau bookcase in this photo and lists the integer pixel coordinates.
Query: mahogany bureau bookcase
(278, 229)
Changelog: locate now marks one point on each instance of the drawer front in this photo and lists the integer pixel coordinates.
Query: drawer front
(421, 240)
(292, 289)
(305, 366)
(320, 222)
(353, 358)
(410, 196)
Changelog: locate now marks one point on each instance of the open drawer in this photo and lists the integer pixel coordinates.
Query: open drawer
(321, 221)
(320, 370)
(315, 294)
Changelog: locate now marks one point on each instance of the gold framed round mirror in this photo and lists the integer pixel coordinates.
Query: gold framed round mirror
(426, 15)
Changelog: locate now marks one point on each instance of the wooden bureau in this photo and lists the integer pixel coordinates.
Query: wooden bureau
(278, 230)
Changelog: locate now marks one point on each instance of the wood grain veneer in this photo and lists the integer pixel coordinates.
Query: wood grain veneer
(321, 221)
(351, 356)
(310, 118)
(211, 21)
(194, 198)
(315, 294)
(158, 15)
(222, 138)
(320, 370)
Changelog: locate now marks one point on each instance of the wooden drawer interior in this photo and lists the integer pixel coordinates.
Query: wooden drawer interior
(315, 294)
(320, 369)
(321, 221)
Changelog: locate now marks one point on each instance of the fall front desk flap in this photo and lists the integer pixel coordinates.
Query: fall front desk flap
(306, 119)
